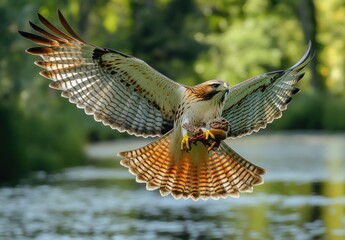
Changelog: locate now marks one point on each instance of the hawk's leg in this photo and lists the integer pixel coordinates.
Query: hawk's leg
(214, 146)
(185, 146)
(208, 133)
(205, 136)
(211, 138)
(212, 143)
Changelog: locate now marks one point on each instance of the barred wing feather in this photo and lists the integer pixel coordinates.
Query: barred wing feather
(119, 90)
(256, 102)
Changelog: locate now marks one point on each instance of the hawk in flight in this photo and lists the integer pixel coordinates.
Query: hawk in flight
(128, 95)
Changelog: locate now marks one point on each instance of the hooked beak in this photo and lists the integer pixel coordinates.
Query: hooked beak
(224, 87)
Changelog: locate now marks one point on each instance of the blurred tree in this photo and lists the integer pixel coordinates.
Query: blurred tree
(252, 38)
(163, 35)
(331, 35)
(307, 15)
(35, 127)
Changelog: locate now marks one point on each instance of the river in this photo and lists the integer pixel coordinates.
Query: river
(303, 198)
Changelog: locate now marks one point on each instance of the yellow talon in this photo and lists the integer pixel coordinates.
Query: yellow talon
(185, 142)
(208, 134)
(211, 147)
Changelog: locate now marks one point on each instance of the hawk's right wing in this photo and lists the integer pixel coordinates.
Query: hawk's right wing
(254, 103)
(119, 90)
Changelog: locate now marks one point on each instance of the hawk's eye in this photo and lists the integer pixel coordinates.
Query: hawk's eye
(215, 85)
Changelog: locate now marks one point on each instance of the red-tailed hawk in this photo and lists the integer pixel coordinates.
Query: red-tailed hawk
(128, 95)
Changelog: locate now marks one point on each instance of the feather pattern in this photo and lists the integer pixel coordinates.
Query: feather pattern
(218, 174)
(127, 94)
(119, 90)
(254, 103)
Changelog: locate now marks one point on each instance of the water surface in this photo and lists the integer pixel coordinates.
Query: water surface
(303, 198)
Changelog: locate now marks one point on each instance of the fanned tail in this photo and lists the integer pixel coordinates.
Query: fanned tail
(217, 174)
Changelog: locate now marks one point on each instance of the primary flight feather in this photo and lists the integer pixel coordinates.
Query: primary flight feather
(128, 95)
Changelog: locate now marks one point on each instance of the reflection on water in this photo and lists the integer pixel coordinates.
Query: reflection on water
(303, 198)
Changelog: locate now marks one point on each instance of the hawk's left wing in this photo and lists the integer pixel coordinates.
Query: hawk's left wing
(254, 103)
(119, 90)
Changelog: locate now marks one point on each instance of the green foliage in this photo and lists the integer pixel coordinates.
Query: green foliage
(333, 115)
(313, 111)
(331, 36)
(35, 142)
(189, 41)
(251, 32)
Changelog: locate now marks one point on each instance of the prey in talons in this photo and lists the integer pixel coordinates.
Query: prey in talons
(211, 138)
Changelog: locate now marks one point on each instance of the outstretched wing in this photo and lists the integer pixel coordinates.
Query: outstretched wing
(119, 90)
(256, 102)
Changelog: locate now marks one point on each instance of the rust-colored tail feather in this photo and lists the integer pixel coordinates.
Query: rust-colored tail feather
(219, 174)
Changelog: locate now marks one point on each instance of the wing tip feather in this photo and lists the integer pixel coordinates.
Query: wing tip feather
(56, 85)
(299, 77)
(54, 29)
(41, 64)
(39, 51)
(69, 95)
(295, 90)
(46, 74)
(304, 60)
(67, 27)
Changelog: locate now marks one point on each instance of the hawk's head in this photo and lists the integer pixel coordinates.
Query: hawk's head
(215, 90)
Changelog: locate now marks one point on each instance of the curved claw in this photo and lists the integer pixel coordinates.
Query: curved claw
(208, 134)
(211, 147)
(185, 143)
